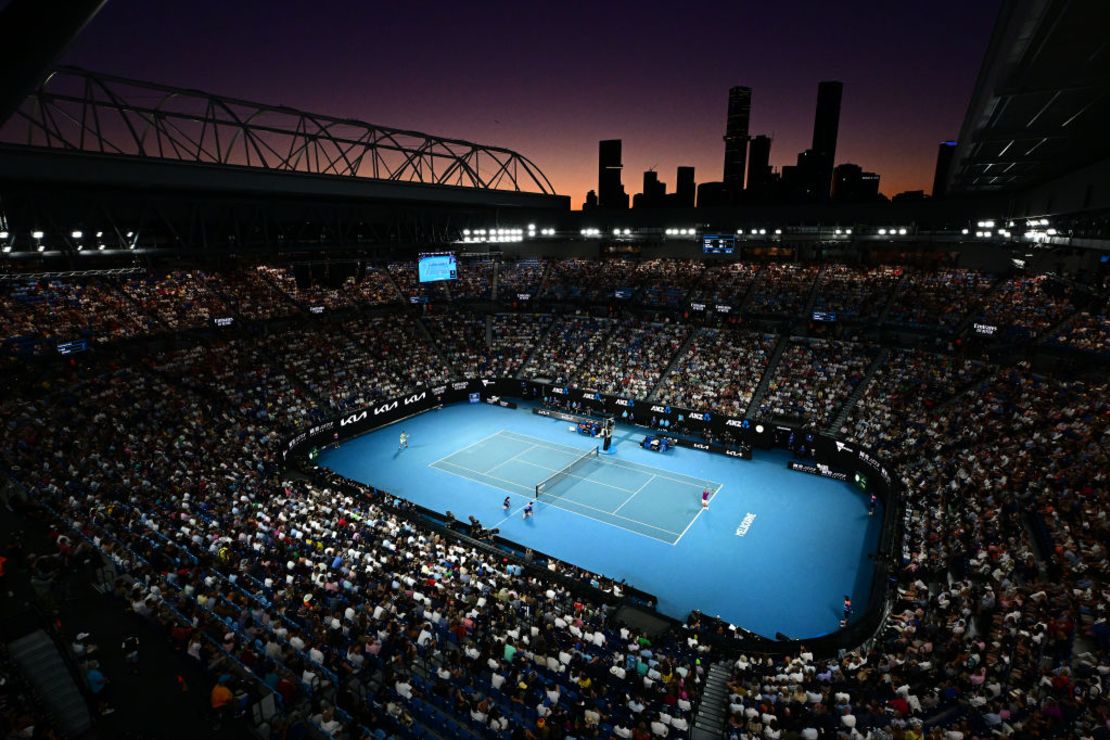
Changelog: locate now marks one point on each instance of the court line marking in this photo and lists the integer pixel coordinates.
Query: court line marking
(642, 487)
(552, 503)
(622, 489)
(627, 465)
(462, 449)
(440, 465)
(514, 458)
(711, 497)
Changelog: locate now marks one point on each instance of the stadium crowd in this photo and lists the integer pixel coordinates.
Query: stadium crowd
(719, 370)
(1088, 332)
(782, 288)
(855, 292)
(569, 345)
(814, 378)
(632, 361)
(335, 602)
(940, 297)
(297, 587)
(463, 340)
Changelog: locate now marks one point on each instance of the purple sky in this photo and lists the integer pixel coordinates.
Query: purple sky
(550, 79)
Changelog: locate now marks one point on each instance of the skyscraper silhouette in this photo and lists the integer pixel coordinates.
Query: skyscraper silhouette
(654, 194)
(736, 137)
(826, 125)
(944, 163)
(685, 189)
(759, 164)
(610, 191)
(852, 185)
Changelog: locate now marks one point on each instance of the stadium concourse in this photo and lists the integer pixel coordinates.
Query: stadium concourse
(331, 607)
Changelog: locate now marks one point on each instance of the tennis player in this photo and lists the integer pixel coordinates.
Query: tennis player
(528, 510)
(872, 505)
(705, 498)
(506, 504)
(404, 441)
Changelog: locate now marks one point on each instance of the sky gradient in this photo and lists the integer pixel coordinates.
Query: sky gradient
(551, 79)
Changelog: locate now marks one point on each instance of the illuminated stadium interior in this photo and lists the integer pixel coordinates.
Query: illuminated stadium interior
(324, 428)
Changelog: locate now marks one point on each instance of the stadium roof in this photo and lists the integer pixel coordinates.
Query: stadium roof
(1042, 98)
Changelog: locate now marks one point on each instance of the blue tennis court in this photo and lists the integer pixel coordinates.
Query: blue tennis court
(776, 551)
(638, 498)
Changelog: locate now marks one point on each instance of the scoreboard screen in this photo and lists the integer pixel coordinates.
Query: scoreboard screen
(718, 244)
(432, 268)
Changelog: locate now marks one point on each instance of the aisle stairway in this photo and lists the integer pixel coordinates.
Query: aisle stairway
(857, 393)
(892, 299)
(539, 343)
(709, 722)
(761, 389)
(678, 355)
(811, 299)
(435, 346)
(42, 664)
(1057, 328)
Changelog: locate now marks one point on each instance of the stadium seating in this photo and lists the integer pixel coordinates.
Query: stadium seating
(165, 458)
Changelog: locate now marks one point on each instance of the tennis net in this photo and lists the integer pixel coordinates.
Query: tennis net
(559, 475)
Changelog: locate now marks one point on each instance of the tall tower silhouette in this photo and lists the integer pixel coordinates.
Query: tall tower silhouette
(736, 137)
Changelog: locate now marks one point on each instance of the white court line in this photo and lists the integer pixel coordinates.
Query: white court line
(529, 489)
(576, 503)
(638, 467)
(472, 444)
(572, 475)
(511, 515)
(711, 497)
(649, 480)
(514, 457)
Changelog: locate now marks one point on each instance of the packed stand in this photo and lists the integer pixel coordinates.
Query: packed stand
(399, 356)
(570, 344)
(371, 287)
(293, 589)
(354, 363)
(520, 276)
(814, 378)
(855, 292)
(720, 370)
(636, 355)
(980, 641)
(903, 397)
(36, 314)
(247, 381)
(1026, 306)
(252, 296)
(463, 340)
(782, 289)
(725, 283)
(1087, 332)
(180, 299)
(667, 282)
(594, 280)
(942, 297)
(475, 281)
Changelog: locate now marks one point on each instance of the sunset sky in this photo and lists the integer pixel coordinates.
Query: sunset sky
(551, 79)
